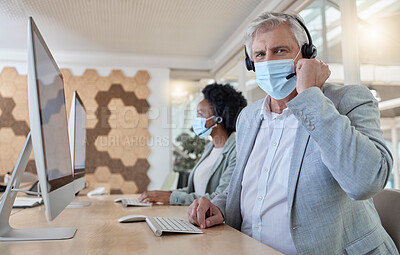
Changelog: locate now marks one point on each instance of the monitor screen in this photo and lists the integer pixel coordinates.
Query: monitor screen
(52, 112)
(80, 138)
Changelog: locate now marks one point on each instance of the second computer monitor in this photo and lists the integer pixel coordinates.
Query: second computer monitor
(77, 140)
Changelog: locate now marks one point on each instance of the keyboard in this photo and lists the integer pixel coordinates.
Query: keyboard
(159, 225)
(24, 202)
(126, 201)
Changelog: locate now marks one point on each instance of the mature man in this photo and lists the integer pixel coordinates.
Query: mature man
(310, 156)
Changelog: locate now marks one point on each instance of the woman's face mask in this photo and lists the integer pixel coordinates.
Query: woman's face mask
(199, 127)
(271, 77)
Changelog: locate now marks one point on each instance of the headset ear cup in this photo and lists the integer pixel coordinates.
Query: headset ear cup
(249, 63)
(305, 50)
(218, 119)
(309, 51)
(313, 51)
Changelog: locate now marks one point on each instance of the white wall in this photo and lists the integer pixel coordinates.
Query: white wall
(159, 113)
(159, 128)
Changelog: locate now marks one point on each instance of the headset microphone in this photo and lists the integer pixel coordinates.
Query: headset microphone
(204, 131)
(290, 76)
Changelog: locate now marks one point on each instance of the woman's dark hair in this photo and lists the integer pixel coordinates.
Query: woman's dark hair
(227, 103)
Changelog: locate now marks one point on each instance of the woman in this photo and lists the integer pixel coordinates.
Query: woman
(216, 116)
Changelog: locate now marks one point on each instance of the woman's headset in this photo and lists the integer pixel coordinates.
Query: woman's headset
(217, 120)
(308, 50)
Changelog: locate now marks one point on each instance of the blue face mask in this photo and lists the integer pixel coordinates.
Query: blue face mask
(199, 127)
(271, 77)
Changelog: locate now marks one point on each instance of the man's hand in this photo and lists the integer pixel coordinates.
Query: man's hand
(155, 196)
(311, 73)
(204, 214)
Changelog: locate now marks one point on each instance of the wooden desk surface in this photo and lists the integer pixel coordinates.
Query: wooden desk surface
(100, 233)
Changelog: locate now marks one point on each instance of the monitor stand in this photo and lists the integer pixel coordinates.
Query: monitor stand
(7, 233)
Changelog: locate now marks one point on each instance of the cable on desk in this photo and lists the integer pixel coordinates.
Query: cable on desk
(27, 192)
(24, 191)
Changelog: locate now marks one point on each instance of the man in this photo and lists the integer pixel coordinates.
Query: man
(310, 161)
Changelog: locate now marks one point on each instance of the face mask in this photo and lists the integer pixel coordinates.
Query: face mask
(199, 127)
(271, 77)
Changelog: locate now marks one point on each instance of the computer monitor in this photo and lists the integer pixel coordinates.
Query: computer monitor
(77, 140)
(48, 122)
(48, 139)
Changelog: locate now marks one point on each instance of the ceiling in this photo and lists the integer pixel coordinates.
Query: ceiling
(151, 27)
(183, 34)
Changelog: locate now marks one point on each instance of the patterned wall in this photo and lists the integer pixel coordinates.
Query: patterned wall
(117, 126)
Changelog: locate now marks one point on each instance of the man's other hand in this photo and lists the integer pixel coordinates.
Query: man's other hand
(311, 73)
(204, 214)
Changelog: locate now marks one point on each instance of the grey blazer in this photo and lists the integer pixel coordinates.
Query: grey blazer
(339, 162)
(218, 178)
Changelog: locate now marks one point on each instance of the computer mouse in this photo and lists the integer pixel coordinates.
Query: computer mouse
(132, 218)
(97, 192)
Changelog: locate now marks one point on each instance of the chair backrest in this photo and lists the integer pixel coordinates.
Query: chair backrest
(171, 181)
(387, 203)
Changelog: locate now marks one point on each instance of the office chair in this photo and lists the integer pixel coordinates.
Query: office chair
(387, 203)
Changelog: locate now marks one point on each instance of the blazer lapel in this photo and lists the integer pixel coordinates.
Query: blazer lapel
(250, 131)
(299, 148)
(216, 165)
(247, 147)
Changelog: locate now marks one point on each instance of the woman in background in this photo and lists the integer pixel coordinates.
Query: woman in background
(216, 117)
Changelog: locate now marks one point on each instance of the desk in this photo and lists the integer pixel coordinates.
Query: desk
(100, 233)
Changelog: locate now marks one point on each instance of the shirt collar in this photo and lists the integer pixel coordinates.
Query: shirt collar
(265, 111)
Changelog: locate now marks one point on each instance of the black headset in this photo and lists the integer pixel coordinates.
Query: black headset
(308, 50)
(217, 120)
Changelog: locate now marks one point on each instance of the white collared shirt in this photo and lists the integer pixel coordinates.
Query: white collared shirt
(264, 204)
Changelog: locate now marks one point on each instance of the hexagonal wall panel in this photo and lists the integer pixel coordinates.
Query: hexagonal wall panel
(117, 124)
(129, 187)
(8, 74)
(116, 181)
(7, 89)
(102, 174)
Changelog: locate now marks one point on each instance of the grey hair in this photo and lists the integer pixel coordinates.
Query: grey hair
(268, 21)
